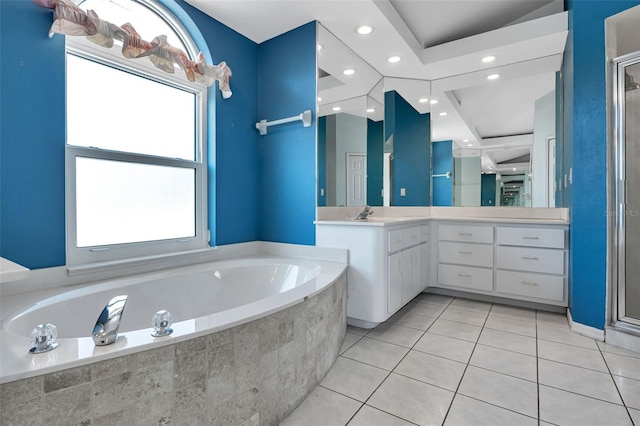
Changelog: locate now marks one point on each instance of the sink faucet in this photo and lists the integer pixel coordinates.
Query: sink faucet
(106, 329)
(365, 213)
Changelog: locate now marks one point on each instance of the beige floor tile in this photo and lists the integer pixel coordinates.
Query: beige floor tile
(377, 353)
(625, 366)
(436, 299)
(635, 415)
(505, 362)
(630, 391)
(467, 411)
(525, 328)
(408, 318)
(464, 316)
(501, 390)
(566, 408)
(513, 312)
(412, 400)
(605, 347)
(446, 347)
(350, 339)
(357, 330)
(456, 330)
(424, 308)
(578, 380)
(552, 319)
(471, 305)
(566, 336)
(323, 408)
(431, 369)
(571, 355)
(509, 341)
(396, 334)
(369, 416)
(353, 379)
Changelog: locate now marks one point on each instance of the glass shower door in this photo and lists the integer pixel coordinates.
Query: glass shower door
(628, 215)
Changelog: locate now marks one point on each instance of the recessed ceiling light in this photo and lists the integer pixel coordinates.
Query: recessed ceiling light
(371, 110)
(469, 144)
(423, 100)
(336, 108)
(465, 140)
(319, 99)
(364, 29)
(319, 46)
(393, 59)
(488, 59)
(442, 114)
(493, 76)
(348, 71)
(434, 101)
(514, 169)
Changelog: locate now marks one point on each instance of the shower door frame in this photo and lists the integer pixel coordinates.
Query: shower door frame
(618, 249)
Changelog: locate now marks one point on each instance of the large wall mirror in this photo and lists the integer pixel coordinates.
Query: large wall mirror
(476, 136)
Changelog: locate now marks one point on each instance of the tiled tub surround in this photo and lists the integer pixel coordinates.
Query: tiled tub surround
(253, 369)
(252, 374)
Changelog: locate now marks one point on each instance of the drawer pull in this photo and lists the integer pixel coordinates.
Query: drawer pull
(529, 258)
(530, 238)
(465, 234)
(465, 275)
(529, 283)
(464, 252)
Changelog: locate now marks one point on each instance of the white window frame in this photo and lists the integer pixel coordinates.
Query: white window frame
(140, 251)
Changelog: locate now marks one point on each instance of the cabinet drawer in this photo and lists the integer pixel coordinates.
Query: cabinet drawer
(540, 286)
(465, 254)
(395, 240)
(411, 236)
(425, 233)
(466, 233)
(466, 276)
(549, 261)
(531, 237)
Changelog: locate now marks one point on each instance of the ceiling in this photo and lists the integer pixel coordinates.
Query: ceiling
(441, 43)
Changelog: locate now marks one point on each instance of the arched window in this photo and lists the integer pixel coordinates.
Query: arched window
(136, 144)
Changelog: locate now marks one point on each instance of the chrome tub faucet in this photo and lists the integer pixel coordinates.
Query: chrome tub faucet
(105, 331)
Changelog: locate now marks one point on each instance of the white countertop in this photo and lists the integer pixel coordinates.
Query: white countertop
(391, 221)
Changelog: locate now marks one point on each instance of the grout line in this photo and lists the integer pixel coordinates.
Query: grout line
(615, 384)
(455, 393)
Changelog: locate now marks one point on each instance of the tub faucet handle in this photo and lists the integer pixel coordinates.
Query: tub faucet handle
(105, 331)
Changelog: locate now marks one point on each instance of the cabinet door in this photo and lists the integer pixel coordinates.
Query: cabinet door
(394, 282)
(411, 273)
(425, 266)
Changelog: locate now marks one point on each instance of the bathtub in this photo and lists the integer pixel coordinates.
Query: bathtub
(252, 336)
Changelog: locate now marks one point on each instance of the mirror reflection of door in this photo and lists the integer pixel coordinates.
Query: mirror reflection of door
(356, 179)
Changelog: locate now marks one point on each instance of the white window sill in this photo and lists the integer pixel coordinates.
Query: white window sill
(137, 265)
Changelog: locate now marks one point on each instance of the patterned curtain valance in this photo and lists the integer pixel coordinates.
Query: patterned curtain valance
(70, 20)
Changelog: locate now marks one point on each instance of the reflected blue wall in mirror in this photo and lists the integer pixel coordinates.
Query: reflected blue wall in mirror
(375, 154)
(442, 164)
(411, 151)
(488, 190)
(322, 161)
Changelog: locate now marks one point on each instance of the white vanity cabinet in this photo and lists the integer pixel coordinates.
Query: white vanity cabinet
(386, 265)
(465, 256)
(520, 261)
(531, 263)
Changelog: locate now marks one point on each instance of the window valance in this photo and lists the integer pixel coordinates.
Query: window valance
(69, 19)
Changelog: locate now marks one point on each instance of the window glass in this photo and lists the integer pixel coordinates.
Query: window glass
(122, 202)
(112, 109)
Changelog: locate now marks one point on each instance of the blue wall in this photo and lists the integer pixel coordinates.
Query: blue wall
(585, 150)
(322, 161)
(375, 159)
(442, 162)
(411, 150)
(488, 190)
(287, 176)
(32, 132)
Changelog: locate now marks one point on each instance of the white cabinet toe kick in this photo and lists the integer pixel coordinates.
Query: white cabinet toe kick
(391, 264)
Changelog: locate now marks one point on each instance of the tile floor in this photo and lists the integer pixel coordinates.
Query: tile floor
(453, 361)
